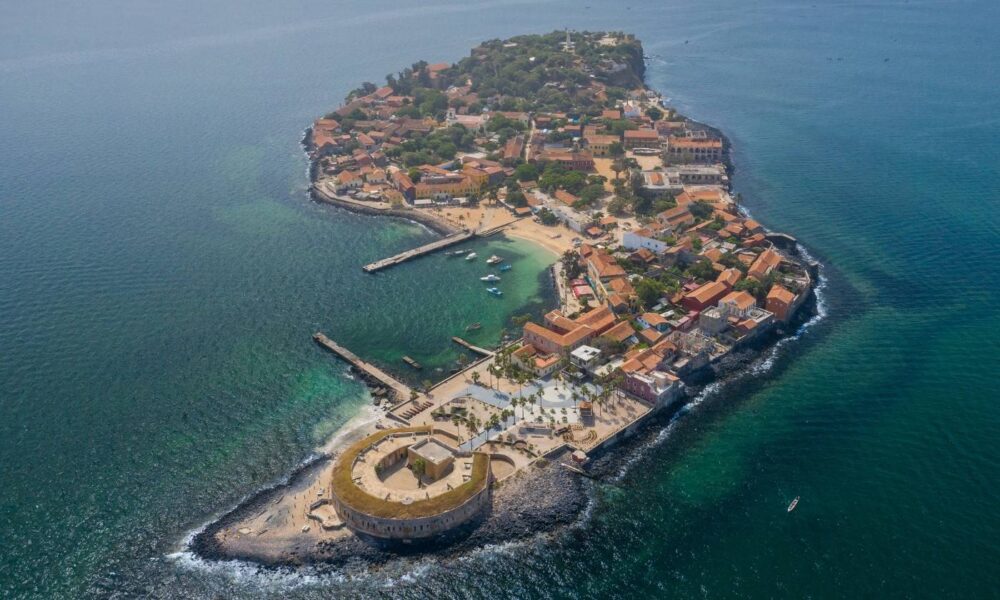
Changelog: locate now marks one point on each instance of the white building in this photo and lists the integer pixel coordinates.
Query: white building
(585, 357)
(643, 238)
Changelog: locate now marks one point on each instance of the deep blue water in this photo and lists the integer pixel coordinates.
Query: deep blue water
(161, 270)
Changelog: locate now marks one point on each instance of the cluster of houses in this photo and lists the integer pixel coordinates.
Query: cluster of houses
(701, 322)
(353, 160)
(753, 284)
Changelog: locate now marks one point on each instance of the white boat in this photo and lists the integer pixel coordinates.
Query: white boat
(495, 291)
(794, 503)
(494, 260)
(490, 278)
(471, 256)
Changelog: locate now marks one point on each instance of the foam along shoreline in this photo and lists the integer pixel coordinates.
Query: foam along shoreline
(540, 500)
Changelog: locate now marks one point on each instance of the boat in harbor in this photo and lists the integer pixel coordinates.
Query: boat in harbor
(457, 252)
(471, 256)
(495, 291)
(474, 327)
(494, 260)
(504, 268)
(412, 363)
(794, 503)
(490, 278)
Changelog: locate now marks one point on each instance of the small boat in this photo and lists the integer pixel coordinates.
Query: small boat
(495, 291)
(412, 362)
(471, 256)
(794, 503)
(494, 260)
(457, 253)
(490, 278)
(504, 268)
(474, 327)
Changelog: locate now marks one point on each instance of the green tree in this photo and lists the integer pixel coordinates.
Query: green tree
(517, 198)
(526, 172)
(649, 292)
(701, 209)
(419, 467)
(571, 264)
(701, 270)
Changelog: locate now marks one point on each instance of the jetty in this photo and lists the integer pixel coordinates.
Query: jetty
(369, 372)
(445, 242)
(473, 348)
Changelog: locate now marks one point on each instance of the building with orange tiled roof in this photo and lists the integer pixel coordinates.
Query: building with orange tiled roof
(641, 138)
(675, 217)
(710, 195)
(781, 302)
(529, 358)
(620, 333)
(705, 296)
(729, 277)
(654, 321)
(737, 303)
(682, 150)
(600, 145)
(765, 263)
(561, 335)
(575, 161)
(565, 197)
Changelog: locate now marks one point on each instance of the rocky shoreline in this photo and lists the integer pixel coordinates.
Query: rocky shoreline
(540, 500)
(422, 217)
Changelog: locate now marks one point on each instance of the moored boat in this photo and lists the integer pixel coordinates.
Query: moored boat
(794, 503)
(495, 291)
(494, 260)
(505, 268)
(471, 256)
(474, 327)
(412, 362)
(490, 278)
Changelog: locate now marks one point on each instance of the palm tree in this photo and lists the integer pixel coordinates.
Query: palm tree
(617, 166)
(491, 423)
(476, 377)
(471, 424)
(456, 421)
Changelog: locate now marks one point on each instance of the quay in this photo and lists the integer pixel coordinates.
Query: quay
(478, 350)
(369, 372)
(451, 240)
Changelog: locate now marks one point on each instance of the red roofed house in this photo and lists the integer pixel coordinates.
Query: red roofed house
(781, 302)
(603, 269)
(705, 296)
(561, 335)
(641, 138)
(693, 150)
(565, 197)
(765, 263)
(738, 303)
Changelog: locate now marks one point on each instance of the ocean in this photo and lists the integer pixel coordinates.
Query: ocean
(162, 270)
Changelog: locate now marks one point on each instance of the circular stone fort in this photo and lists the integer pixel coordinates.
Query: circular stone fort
(410, 482)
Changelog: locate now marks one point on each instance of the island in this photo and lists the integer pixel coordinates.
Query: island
(662, 280)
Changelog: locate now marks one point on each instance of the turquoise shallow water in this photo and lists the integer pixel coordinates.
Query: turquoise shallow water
(161, 271)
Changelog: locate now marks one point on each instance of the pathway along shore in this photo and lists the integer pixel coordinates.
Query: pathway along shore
(423, 217)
